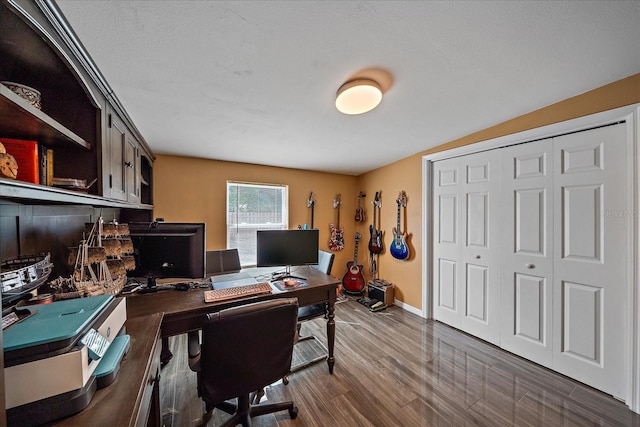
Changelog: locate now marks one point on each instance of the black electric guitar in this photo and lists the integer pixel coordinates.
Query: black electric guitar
(353, 280)
(399, 248)
(311, 203)
(359, 209)
(375, 239)
(336, 241)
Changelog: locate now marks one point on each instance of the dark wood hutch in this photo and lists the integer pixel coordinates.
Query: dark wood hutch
(82, 121)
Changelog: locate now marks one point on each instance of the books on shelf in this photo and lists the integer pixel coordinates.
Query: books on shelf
(34, 161)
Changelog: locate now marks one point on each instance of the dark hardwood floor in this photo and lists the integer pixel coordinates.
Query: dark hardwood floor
(394, 368)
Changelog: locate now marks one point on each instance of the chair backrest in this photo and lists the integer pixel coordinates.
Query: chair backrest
(325, 261)
(223, 261)
(246, 348)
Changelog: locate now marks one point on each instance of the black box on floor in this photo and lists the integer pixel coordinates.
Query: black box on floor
(381, 290)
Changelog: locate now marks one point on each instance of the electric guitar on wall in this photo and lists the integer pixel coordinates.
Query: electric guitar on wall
(336, 241)
(359, 210)
(399, 248)
(311, 203)
(353, 280)
(375, 239)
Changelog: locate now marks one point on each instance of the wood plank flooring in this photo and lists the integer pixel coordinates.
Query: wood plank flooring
(394, 368)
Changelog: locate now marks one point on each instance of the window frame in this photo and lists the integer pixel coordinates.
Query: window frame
(248, 252)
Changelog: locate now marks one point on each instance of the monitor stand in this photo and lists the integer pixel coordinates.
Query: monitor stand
(286, 275)
(152, 285)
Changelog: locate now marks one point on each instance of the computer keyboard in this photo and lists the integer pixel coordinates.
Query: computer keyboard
(235, 292)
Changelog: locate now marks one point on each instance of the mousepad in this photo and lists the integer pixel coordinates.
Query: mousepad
(287, 284)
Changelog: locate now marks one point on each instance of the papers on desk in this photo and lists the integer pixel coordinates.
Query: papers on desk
(232, 280)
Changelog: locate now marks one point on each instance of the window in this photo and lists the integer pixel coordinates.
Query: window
(253, 207)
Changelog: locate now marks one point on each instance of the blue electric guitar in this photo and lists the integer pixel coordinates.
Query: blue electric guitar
(398, 247)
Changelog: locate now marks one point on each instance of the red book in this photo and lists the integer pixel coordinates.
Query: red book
(26, 155)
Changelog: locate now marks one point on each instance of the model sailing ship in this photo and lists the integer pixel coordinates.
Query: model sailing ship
(23, 275)
(100, 263)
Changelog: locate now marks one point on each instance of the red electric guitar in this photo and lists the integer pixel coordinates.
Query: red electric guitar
(336, 241)
(353, 280)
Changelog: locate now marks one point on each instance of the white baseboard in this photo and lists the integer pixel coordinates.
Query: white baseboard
(408, 308)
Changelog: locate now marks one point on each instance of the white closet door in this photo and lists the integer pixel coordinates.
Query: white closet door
(480, 246)
(590, 260)
(527, 251)
(466, 248)
(446, 241)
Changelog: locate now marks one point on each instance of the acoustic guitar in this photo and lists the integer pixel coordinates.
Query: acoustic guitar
(336, 241)
(375, 238)
(399, 248)
(353, 280)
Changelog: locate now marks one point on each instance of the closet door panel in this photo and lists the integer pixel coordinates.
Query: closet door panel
(590, 268)
(527, 248)
(480, 249)
(446, 251)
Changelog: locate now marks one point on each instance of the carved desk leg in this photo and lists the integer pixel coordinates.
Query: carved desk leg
(331, 333)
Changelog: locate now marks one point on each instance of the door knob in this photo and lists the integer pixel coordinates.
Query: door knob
(477, 256)
(530, 265)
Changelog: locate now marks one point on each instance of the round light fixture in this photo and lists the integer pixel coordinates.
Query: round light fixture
(358, 96)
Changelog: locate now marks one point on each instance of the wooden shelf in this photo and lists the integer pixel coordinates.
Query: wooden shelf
(22, 120)
(40, 194)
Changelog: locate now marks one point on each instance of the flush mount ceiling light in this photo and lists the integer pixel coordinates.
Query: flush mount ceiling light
(358, 96)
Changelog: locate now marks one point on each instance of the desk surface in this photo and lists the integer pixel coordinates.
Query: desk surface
(177, 304)
(126, 401)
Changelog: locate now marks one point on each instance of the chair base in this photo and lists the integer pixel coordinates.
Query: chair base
(244, 411)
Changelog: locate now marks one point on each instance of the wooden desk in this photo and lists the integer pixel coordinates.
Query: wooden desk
(184, 310)
(133, 398)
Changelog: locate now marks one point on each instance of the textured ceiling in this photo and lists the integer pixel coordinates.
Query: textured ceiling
(255, 81)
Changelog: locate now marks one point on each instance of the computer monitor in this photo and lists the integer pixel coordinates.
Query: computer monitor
(286, 248)
(168, 249)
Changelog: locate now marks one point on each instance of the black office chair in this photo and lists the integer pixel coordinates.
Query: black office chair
(325, 263)
(244, 349)
(217, 262)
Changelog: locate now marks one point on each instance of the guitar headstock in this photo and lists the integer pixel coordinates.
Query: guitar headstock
(311, 201)
(376, 201)
(337, 202)
(402, 199)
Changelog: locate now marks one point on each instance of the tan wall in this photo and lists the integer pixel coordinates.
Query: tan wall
(188, 189)
(194, 190)
(407, 174)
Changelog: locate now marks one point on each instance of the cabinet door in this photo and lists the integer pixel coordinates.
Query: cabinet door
(123, 162)
(117, 153)
(131, 170)
(527, 251)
